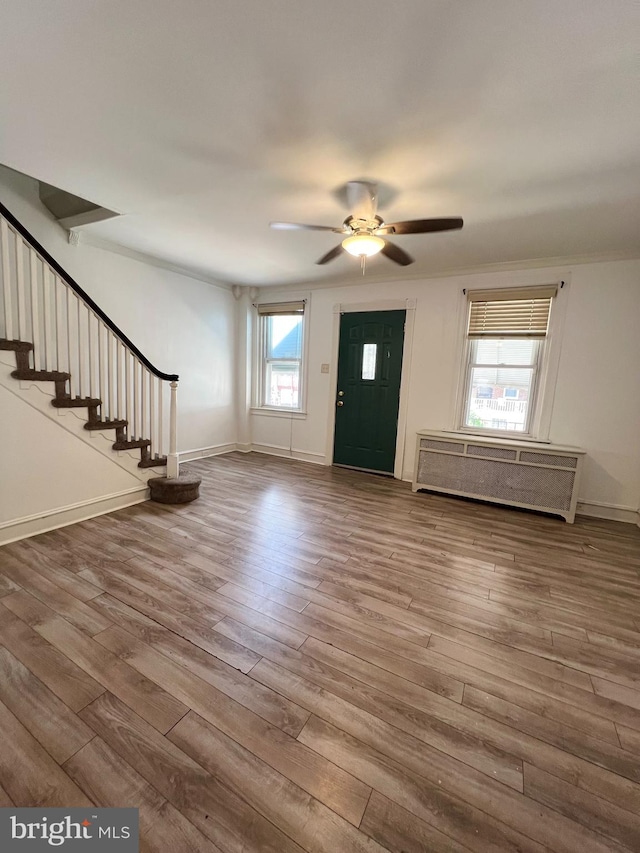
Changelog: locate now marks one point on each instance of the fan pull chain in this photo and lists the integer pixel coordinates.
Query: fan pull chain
(363, 263)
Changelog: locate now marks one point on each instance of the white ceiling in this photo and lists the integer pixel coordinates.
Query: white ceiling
(202, 121)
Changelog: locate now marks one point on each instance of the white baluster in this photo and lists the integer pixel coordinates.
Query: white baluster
(173, 464)
(92, 381)
(160, 419)
(80, 377)
(136, 398)
(112, 403)
(6, 281)
(144, 430)
(152, 415)
(46, 307)
(35, 309)
(128, 395)
(22, 311)
(72, 381)
(120, 380)
(58, 295)
(102, 391)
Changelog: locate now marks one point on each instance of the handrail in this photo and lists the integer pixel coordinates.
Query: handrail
(170, 377)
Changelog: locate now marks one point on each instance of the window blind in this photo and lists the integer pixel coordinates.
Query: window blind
(510, 312)
(271, 309)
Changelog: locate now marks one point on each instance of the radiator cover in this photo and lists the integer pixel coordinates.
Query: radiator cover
(517, 473)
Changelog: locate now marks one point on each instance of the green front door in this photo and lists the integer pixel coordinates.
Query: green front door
(368, 393)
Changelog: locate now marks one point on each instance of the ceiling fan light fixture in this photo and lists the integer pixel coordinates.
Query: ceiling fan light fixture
(363, 245)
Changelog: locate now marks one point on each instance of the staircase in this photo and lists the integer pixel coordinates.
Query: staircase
(58, 334)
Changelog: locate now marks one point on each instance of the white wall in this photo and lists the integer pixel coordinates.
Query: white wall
(597, 396)
(183, 325)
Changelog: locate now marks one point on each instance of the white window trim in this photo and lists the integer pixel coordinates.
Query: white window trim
(257, 395)
(547, 374)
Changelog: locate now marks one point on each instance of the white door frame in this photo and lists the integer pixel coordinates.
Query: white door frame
(408, 305)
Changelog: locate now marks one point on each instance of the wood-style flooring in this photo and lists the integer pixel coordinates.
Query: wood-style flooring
(314, 659)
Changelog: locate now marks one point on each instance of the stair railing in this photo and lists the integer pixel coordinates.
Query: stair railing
(71, 334)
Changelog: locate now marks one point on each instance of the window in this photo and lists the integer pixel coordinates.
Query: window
(281, 330)
(505, 346)
(369, 361)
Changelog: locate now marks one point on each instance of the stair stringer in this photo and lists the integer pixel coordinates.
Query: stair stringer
(40, 394)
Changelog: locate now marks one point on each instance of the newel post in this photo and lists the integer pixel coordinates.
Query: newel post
(173, 465)
(175, 488)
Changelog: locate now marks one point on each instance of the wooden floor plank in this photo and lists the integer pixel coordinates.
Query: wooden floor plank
(620, 826)
(610, 700)
(402, 832)
(28, 773)
(155, 705)
(571, 740)
(629, 739)
(36, 558)
(223, 817)
(618, 692)
(61, 674)
(5, 800)
(123, 598)
(47, 718)
(304, 819)
(111, 782)
(7, 586)
(62, 602)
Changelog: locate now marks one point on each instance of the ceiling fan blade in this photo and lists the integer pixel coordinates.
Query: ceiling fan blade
(362, 197)
(331, 254)
(422, 226)
(396, 254)
(298, 226)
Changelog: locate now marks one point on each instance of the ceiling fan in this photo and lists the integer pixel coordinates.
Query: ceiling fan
(364, 231)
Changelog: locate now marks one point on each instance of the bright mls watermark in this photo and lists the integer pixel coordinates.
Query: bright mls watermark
(79, 830)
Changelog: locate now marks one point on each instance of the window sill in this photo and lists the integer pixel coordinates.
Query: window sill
(508, 436)
(290, 414)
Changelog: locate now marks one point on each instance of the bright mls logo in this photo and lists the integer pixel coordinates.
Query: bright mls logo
(79, 830)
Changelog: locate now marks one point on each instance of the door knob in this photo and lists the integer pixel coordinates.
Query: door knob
(340, 403)
(340, 393)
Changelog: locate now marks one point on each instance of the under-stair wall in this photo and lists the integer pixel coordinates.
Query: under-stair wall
(176, 316)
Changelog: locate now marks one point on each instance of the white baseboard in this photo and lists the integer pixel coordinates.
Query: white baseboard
(612, 512)
(31, 525)
(301, 455)
(203, 452)
(271, 449)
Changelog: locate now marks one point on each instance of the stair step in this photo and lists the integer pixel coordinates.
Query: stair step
(16, 346)
(75, 402)
(157, 461)
(131, 445)
(41, 375)
(105, 424)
